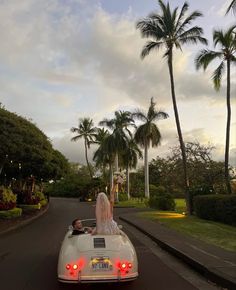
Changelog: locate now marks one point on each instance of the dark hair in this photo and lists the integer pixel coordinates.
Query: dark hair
(74, 222)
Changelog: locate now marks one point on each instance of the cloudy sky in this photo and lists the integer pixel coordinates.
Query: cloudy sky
(61, 60)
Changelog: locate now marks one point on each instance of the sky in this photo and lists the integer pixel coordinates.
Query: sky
(61, 60)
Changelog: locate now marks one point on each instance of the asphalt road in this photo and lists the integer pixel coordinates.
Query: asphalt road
(28, 256)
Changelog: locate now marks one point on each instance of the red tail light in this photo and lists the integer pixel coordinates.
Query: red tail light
(129, 265)
(123, 266)
(75, 267)
(68, 266)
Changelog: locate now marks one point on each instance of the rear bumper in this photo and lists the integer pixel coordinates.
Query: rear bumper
(90, 279)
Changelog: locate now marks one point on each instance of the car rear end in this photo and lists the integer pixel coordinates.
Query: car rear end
(99, 258)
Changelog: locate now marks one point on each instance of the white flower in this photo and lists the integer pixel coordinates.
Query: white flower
(119, 177)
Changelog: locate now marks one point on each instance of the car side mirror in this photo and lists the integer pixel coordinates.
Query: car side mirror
(70, 228)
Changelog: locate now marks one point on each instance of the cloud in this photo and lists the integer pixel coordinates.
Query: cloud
(63, 60)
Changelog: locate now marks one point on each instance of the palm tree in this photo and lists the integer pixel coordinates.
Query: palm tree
(231, 6)
(105, 155)
(85, 130)
(170, 30)
(100, 156)
(227, 55)
(147, 134)
(119, 126)
(130, 158)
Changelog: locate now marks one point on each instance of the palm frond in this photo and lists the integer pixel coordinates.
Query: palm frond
(225, 39)
(74, 139)
(150, 46)
(217, 75)
(150, 28)
(231, 6)
(184, 9)
(193, 39)
(205, 57)
(188, 21)
(107, 122)
(140, 115)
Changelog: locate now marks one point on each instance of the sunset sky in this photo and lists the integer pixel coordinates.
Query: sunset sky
(61, 60)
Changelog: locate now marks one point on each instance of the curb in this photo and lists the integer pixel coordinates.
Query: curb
(208, 273)
(25, 222)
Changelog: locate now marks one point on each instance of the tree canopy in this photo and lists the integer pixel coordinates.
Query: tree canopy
(25, 150)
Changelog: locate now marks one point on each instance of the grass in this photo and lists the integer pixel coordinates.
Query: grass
(133, 202)
(180, 205)
(218, 234)
(140, 203)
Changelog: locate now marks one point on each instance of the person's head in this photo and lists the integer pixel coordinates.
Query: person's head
(77, 224)
(103, 208)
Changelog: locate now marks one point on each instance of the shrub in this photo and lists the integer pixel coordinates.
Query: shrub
(12, 213)
(220, 208)
(157, 190)
(178, 193)
(27, 208)
(163, 201)
(43, 202)
(7, 199)
(123, 196)
(40, 195)
(27, 197)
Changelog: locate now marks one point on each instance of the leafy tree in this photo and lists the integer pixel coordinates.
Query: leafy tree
(25, 150)
(204, 172)
(119, 126)
(148, 134)
(170, 30)
(87, 131)
(227, 54)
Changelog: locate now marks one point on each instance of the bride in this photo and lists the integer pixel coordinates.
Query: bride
(105, 225)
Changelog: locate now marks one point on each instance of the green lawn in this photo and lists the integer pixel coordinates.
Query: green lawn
(133, 202)
(210, 232)
(180, 205)
(138, 202)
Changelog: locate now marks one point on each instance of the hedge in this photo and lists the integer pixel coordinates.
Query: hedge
(29, 207)
(11, 213)
(216, 207)
(162, 202)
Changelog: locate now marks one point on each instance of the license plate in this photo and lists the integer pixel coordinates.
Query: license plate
(101, 265)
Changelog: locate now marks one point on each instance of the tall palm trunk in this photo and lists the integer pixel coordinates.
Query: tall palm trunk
(116, 163)
(227, 142)
(111, 176)
(127, 182)
(182, 145)
(146, 171)
(86, 156)
(116, 170)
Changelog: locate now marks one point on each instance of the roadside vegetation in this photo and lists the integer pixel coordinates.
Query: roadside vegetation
(210, 232)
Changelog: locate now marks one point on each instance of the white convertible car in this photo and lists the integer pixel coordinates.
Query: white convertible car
(87, 258)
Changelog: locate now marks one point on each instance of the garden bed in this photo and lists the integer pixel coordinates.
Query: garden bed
(11, 213)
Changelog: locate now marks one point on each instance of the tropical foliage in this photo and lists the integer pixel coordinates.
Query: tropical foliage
(170, 29)
(148, 135)
(87, 131)
(227, 54)
(232, 7)
(25, 151)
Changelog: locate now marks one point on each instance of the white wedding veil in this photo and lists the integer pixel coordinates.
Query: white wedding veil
(103, 208)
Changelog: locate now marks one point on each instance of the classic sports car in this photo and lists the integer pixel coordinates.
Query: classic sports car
(87, 258)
